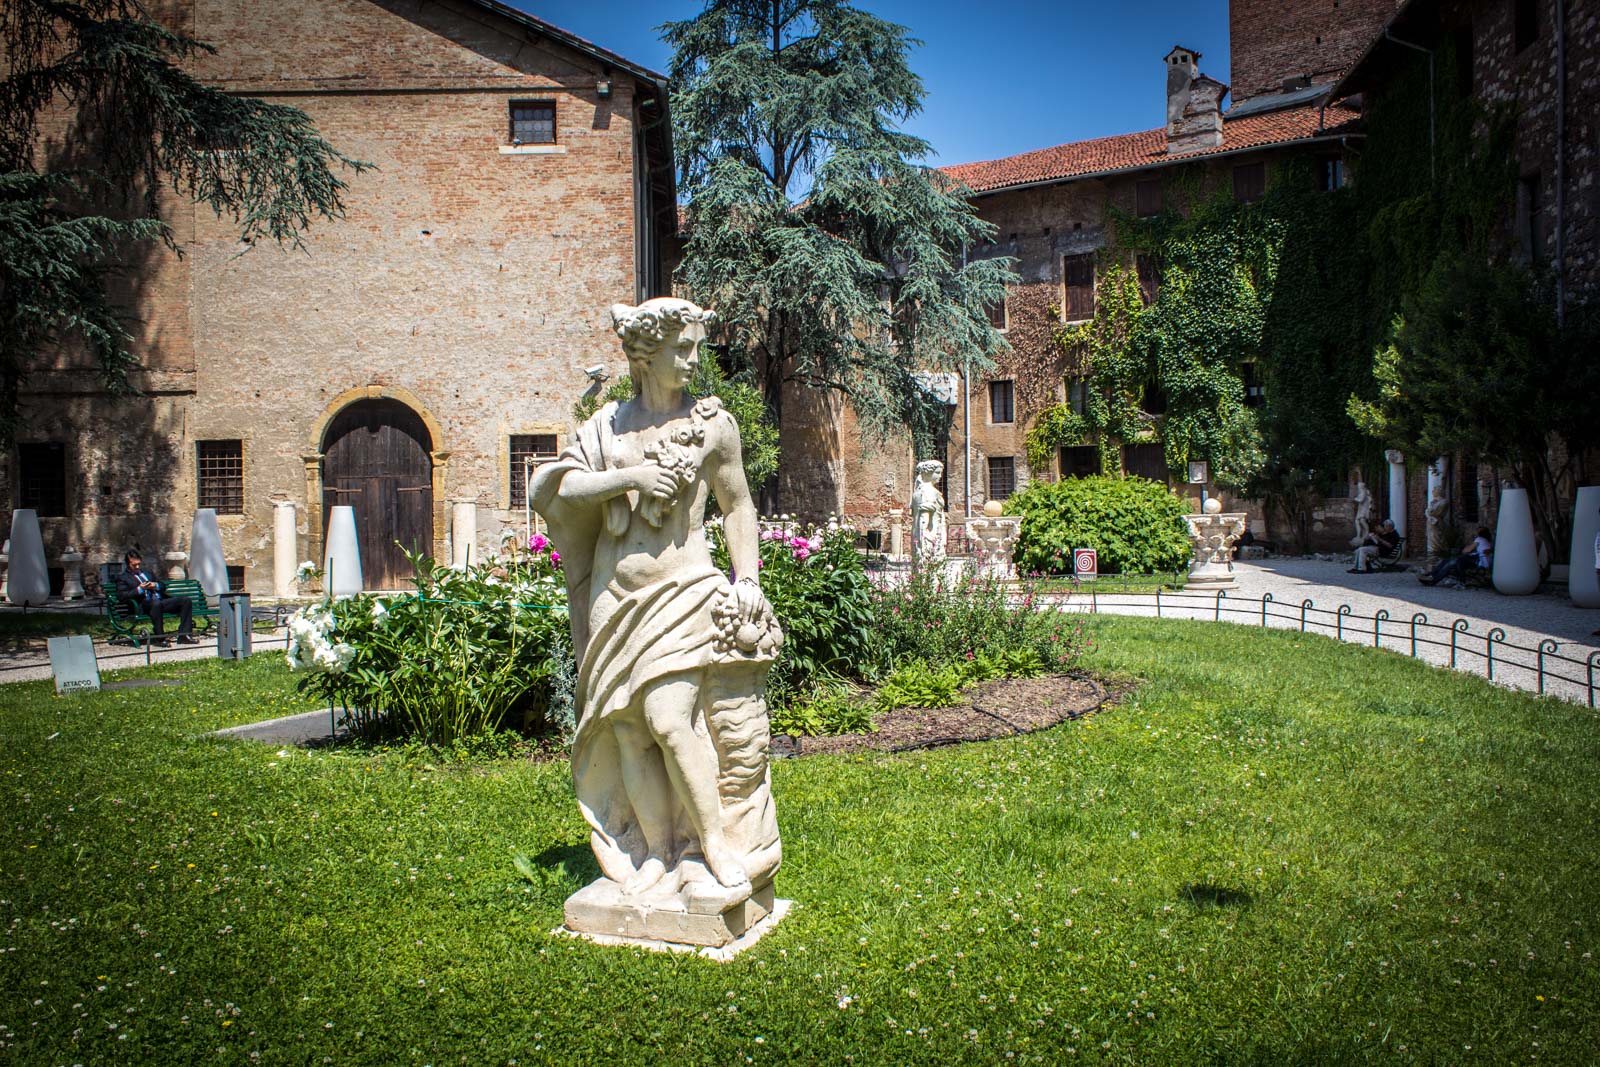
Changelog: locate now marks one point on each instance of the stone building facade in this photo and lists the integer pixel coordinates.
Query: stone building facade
(417, 349)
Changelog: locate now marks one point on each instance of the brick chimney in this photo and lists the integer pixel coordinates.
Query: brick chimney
(1194, 104)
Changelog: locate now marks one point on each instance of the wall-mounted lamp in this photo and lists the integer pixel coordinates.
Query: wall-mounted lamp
(603, 86)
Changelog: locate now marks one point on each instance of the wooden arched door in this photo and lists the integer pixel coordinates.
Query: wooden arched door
(377, 458)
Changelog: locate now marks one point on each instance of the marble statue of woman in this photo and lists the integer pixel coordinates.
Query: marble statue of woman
(927, 512)
(1362, 496)
(669, 760)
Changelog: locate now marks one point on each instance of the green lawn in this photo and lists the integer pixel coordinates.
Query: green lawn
(1280, 850)
(27, 629)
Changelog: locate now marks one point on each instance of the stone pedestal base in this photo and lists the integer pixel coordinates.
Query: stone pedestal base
(1209, 578)
(599, 909)
(721, 954)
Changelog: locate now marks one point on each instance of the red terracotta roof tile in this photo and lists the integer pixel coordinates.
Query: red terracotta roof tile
(1131, 151)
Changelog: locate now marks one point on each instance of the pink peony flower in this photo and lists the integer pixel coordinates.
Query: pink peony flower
(537, 542)
(801, 553)
(555, 558)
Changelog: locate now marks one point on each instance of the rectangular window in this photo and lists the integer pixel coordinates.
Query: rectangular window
(1530, 224)
(235, 579)
(1080, 461)
(997, 314)
(42, 477)
(1002, 401)
(1077, 280)
(1330, 174)
(1249, 182)
(533, 122)
(219, 476)
(1254, 392)
(1525, 23)
(1145, 461)
(1147, 198)
(1002, 476)
(1148, 266)
(538, 447)
(1078, 394)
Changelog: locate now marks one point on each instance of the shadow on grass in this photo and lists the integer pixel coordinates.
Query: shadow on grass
(1215, 896)
(576, 862)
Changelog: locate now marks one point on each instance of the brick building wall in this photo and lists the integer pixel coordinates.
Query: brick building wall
(469, 281)
(1271, 41)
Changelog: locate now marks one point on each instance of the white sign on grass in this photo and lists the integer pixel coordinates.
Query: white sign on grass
(73, 664)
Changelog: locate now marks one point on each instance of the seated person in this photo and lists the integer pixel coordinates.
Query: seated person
(1379, 543)
(141, 589)
(1475, 555)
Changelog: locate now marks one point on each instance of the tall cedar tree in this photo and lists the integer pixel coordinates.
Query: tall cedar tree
(834, 257)
(77, 209)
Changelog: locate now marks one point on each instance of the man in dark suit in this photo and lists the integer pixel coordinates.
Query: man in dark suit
(141, 589)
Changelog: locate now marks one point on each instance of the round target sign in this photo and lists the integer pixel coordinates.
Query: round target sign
(1086, 563)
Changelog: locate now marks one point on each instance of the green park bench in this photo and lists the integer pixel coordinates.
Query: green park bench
(129, 625)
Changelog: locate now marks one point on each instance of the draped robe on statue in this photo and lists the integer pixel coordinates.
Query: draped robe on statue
(656, 635)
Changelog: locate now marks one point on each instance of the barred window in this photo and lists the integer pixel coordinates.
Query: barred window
(42, 477)
(219, 475)
(1002, 476)
(533, 122)
(235, 579)
(538, 447)
(1002, 401)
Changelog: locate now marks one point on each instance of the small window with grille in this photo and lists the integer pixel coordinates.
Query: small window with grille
(1002, 401)
(1002, 477)
(997, 314)
(537, 447)
(533, 122)
(219, 476)
(42, 477)
(235, 579)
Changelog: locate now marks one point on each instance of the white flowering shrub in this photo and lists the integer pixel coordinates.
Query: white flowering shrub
(467, 654)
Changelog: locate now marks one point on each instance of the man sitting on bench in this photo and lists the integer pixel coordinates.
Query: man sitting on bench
(1378, 547)
(139, 588)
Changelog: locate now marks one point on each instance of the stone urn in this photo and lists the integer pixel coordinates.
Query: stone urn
(1212, 535)
(994, 540)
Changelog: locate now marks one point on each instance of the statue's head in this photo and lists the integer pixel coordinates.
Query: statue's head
(929, 470)
(661, 337)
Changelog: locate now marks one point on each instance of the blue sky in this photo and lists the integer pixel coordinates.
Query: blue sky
(1001, 78)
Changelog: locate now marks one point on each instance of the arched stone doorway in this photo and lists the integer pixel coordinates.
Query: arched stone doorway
(377, 457)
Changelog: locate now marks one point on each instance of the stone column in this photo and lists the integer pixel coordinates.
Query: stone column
(1438, 506)
(897, 533)
(463, 533)
(285, 541)
(1397, 488)
(71, 574)
(5, 561)
(175, 561)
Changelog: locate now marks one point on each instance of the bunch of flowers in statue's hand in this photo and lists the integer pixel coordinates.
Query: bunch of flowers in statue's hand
(678, 458)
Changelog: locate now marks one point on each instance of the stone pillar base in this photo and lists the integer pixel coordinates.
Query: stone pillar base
(1210, 577)
(598, 913)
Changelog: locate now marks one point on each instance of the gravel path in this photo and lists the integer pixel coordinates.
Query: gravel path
(1524, 620)
(30, 666)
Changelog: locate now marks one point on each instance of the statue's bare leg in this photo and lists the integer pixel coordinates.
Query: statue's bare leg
(691, 761)
(650, 792)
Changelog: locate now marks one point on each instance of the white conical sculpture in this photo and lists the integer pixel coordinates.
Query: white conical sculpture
(341, 560)
(1582, 583)
(28, 581)
(206, 562)
(1516, 560)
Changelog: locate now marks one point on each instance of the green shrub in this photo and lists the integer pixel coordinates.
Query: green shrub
(943, 622)
(466, 655)
(919, 684)
(818, 587)
(1136, 525)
